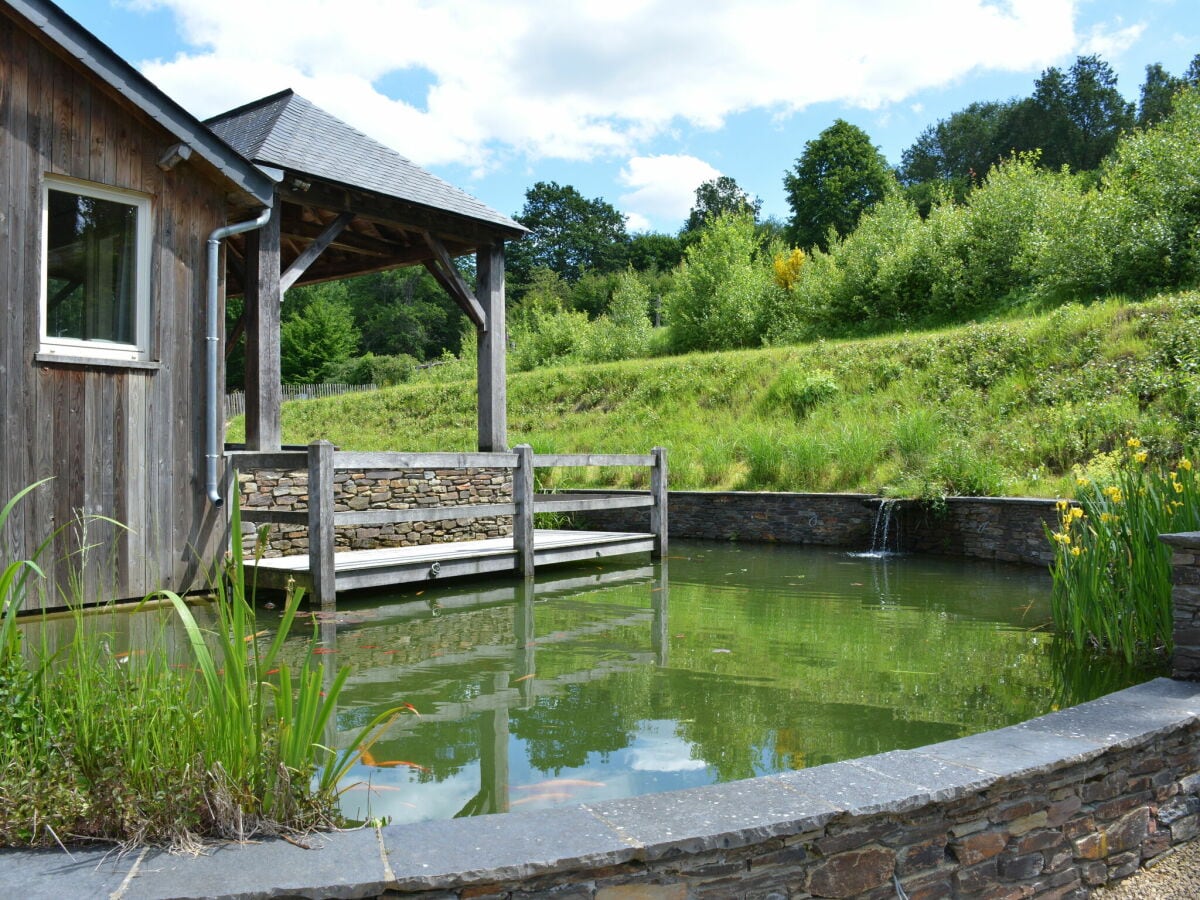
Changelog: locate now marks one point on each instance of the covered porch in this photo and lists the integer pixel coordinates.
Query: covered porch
(346, 205)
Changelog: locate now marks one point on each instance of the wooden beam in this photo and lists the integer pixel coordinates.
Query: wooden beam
(490, 367)
(441, 267)
(263, 376)
(658, 512)
(390, 210)
(301, 263)
(348, 241)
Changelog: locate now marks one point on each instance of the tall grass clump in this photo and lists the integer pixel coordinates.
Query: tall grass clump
(157, 742)
(1112, 581)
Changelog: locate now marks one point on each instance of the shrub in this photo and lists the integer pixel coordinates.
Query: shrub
(799, 392)
(718, 296)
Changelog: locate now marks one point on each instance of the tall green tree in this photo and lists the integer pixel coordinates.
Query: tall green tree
(839, 176)
(318, 336)
(957, 152)
(1074, 118)
(717, 197)
(570, 234)
(1158, 90)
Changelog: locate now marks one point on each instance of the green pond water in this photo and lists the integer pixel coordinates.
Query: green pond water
(723, 662)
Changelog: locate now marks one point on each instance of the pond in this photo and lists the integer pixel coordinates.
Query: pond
(723, 662)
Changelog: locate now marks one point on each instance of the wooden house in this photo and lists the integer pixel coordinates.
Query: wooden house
(123, 221)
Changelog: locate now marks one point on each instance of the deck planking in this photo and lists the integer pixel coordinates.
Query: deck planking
(361, 569)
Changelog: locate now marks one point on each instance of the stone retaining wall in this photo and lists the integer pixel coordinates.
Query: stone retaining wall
(1185, 599)
(1002, 529)
(381, 489)
(1050, 808)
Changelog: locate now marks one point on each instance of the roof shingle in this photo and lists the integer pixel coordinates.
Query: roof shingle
(286, 131)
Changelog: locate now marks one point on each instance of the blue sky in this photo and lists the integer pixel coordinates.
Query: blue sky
(635, 101)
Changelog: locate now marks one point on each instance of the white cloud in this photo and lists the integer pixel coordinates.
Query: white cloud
(664, 187)
(594, 78)
(1110, 41)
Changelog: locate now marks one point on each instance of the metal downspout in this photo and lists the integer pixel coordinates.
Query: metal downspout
(213, 395)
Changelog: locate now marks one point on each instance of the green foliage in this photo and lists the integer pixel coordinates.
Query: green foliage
(318, 336)
(799, 392)
(839, 176)
(1006, 407)
(720, 197)
(139, 742)
(719, 293)
(371, 369)
(1150, 201)
(624, 331)
(570, 234)
(1112, 574)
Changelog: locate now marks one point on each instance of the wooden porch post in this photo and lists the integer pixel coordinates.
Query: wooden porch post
(658, 512)
(263, 297)
(320, 523)
(489, 290)
(523, 518)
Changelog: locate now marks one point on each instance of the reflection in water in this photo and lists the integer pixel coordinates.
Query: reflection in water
(602, 681)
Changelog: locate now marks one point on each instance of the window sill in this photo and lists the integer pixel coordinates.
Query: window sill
(58, 359)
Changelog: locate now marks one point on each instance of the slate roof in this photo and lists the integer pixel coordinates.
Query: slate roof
(286, 131)
(111, 69)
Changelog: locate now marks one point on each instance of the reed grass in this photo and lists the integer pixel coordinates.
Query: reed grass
(162, 743)
(1112, 581)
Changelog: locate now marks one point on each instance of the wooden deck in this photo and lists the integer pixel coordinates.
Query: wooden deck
(359, 569)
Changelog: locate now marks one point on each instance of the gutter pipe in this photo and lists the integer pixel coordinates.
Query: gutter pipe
(213, 396)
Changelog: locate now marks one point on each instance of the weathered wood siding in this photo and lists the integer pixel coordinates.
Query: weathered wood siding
(121, 442)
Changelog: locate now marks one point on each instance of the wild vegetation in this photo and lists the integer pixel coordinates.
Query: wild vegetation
(135, 739)
(1112, 585)
(1010, 407)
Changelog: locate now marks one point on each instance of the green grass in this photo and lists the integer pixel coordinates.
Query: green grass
(1010, 407)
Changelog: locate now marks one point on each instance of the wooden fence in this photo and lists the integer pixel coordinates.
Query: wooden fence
(321, 517)
(235, 403)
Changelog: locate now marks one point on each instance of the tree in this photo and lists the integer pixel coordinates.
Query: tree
(1158, 91)
(718, 296)
(839, 176)
(570, 234)
(720, 196)
(404, 311)
(652, 252)
(959, 150)
(318, 336)
(1073, 118)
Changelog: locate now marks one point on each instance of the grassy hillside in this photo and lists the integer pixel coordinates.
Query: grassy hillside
(1006, 408)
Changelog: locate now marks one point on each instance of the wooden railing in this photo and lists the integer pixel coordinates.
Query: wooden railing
(322, 462)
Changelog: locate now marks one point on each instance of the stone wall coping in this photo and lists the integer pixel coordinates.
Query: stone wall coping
(866, 498)
(520, 845)
(1183, 540)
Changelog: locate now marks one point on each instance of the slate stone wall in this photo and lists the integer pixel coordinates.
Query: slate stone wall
(381, 489)
(1185, 597)
(1049, 809)
(1001, 529)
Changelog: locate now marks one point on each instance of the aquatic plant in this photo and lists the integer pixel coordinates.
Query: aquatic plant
(159, 743)
(1112, 579)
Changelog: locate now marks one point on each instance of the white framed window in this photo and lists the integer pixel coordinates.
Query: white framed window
(95, 271)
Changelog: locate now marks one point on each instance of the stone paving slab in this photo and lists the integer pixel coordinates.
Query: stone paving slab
(856, 790)
(53, 875)
(342, 865)
(1007, 752)
(722, 816)
(504, 847)
(1112, 723)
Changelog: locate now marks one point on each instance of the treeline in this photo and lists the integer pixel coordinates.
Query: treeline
(1071, 193)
